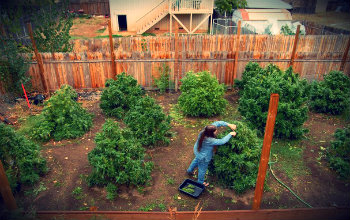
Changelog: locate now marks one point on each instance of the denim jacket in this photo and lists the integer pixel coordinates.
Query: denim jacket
(206, 152)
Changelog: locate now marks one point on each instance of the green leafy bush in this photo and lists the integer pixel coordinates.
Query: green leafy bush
(118, 158)
(236, 163)
(293, 92)
(164, 81)
(21, 157)
(148, 122)
(332, 95)
(201, 95)
(61, 118)
(119, 95)
(338, 154)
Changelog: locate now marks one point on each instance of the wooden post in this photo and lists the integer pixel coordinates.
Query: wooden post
(265, 152)
(176, 64)
(237, 52)
(294, 46)
(39, 60)
(5, 189)
(114, 71)
(345, 55)
(56, 70)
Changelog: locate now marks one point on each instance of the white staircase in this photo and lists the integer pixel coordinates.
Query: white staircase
(152, 17)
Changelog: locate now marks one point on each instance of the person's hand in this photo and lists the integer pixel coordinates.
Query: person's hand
(233, 133)
(232, 126)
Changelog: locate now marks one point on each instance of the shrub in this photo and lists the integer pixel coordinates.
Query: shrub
(201, 95)
(61, 118)
(148, 122)
(118, 158)
(292, 112)
(332, 94)
(164, 81)
(236, 163)
(119, 95)
(21, 158)
(338, 154)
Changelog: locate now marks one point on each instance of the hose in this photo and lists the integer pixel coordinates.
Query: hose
(290, 190)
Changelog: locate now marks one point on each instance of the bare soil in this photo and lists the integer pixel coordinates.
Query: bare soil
(69, 167)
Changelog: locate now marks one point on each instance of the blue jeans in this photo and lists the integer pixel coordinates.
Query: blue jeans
(202, 168)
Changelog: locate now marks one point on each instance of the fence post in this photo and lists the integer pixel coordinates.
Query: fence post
(39, 60)
(114, 71)
(5, 189)
(345, 55)
(237, 52)
(294, 46)
(265, 152)
(176, 64)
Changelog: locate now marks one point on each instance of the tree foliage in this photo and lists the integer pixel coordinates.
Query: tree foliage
(148, 122)
(13, 67)
(21, 158)
(62, 117)
(201, 95)
(118, 158)
(119, 95)
(292, 111)
(332, 95)
(227, 5)
(236, 163)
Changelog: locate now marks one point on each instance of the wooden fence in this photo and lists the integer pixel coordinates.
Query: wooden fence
(91, 7)
(89, 65)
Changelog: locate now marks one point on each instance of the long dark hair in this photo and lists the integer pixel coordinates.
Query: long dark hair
(208, 132)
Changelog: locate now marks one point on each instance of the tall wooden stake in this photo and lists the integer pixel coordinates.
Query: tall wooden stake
(294, 46)
(114, 70)
(176, 64)
(5, 189)
(237, 52)
(39, 60)
(345, 55)
(265, 153)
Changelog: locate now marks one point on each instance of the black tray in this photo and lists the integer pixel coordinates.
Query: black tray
(198, 188)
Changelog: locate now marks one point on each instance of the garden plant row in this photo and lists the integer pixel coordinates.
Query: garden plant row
(146, 125)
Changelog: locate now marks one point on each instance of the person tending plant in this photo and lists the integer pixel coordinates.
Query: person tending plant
(203, 148)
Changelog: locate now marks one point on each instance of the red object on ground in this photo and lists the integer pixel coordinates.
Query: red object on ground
(25, 95)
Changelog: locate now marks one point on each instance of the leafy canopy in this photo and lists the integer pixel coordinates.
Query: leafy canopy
(258, 84)
(236, 163)
(62, 117)
(148, 122)
(201, 95)
(332, 95)
(21, 158)
(118, 158)
(119, 95)
(227, 5)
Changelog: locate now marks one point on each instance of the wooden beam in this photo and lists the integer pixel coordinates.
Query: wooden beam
(194, 30)
(114, 70)
(265, 152)
(171, 23)
(211, 23)
(294, 46)
(191, 23)
(271, 214)
(345, 55)
(237, 52)
(182, 25)
(5, 189)
(39, 60)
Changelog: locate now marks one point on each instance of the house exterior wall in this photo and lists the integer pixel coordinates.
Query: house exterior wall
(133, 9)
(136, 9)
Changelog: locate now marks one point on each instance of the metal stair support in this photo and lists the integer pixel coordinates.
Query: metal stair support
(152, 17)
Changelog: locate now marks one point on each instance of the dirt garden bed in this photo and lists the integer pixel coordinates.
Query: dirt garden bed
(300, 165)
